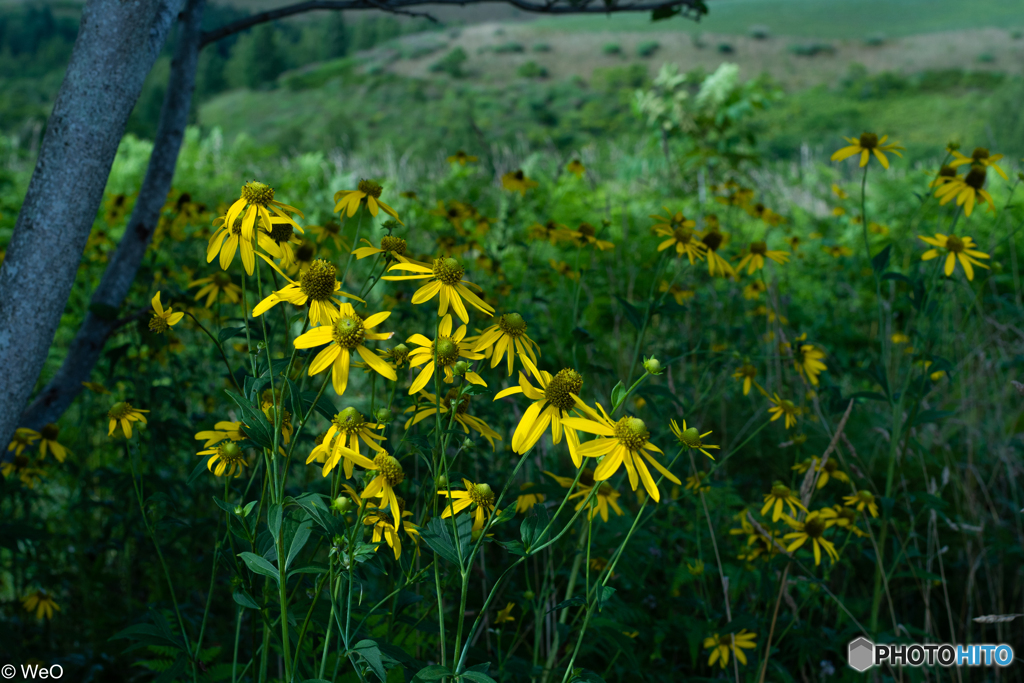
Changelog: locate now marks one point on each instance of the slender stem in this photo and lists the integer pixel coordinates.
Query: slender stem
(220, 347)
(771, 630)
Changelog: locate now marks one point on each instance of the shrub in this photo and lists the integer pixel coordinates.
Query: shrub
(647, 48)
(812, 49)
(986, 58)
(875, 40)
(532, 69)
(726, 48)
(451, 63)
(509, 48)
(759, 32)
(542, 47)
(612, 49)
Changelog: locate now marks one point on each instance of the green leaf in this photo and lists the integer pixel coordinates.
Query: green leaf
(581, 336)
(244, 599)
(896, 276)
(873, 395)
(313, 503)
(516, 547)
(434, 672)
(636, 319)
(323, 405)
(618, 395)
(368, 650)
(260, 566)
(604, 593)
(224, 505)
(229, 333)
(880, 260)
(257, 428)
(574, 601)
(438, 536)
(298, 540)
(478, 677)
(532, 527)
(274, 516)
(174, 670)
(930, 416)
(585, 676)
(199, 469)
(508, 513)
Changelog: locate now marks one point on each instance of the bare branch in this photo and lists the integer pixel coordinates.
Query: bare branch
(692, 9)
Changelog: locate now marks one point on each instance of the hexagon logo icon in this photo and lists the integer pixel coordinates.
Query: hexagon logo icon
(861, 654)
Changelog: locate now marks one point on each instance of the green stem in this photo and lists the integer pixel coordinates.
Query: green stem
(220, 347)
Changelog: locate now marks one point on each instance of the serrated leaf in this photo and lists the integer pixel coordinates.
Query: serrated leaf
(260, 566)
(438, 536)
(257, 428)
(313, 503)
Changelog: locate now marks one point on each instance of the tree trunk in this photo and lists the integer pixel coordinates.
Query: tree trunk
(85, 350)
(118, 42)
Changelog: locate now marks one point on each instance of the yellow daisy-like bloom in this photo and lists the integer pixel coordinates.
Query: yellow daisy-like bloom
(837, 251)
(215, 285)
(830, 470)
(812, 528)
(761, 211)
(839, 192)
(505, 615)
(516, 181)
(456, 212)
(526, 501)
(844, 518)
(23, 438)
(967, 190)
(677, 292)
(445, 275)
(462, 417)
(389, 475)
(284, 238)
(946, 174)
(258, 203)
(22, 466)
(384, 526)
(96, 388)
(866, 145)
(551, 405)
(807, 359)
(222, 431)
(479, 495)
(746, 373)
(697, 484)
(780, 495)
(392, 246)
(753, 291)
(461, 158)
(622, 442)
(606, 496)
(48, 435)
(346, 336)
(507, 337)
(124, 414)
(861, 500)
(586, 234)
(318, 285)
(227, 240)
(228, 457)
(735, 643)
(163, 320)
(550, 231)
(41, 603)
(367, 194)
(780, 407)
(980, 156)
(713, 240)
(341, 442)
(576, 167)
(695, 569)
(756, 254)
(331, 230)
(680, 232)
(900, 338)
(957, 248)
(691, 437)
(444, 351)
(564, 269)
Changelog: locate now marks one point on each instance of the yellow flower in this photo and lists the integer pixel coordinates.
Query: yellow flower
(257, 202)
(41, 603)
(696, 483)
(680, 232)
(866, 145)
(836, 251)
(900, 338)
(780, 407)
(384, 526)
(23, 438)
(318, 285)
(163, 320)
(551, 405)
(445, 276)
(215, 285)
(564, 269)
(585, 234)
(691, 437)
(713, 240)
(461, 158)
(124, 414)
(96, 388)
(807, 359)
(341, 442)
(505, 615)
(831, 469)
(861, 500)
(812, 528)
(344, 336)
(945, 175)
(967, 190)
(48, 434)
(958, 248)
(756, 254)
(761, 211)
(507, 337)
(979, 156)
(695, 569)
(550, 231)
(462, 417)
(331, 230)
(222, 431)
(747, 373)
(444, 351)
(839, 192)
(389, 475)
(780, 495)
(22, 466)
(735, 643)
(479, 495)
(677, 292)
(623, 442)
(753, 291)
(367, 194)
(878, 228)
(392, 246)
(605, 497)
(229, 458)
(516, 181)
(576, 168)
(844, 518)
(525, 501)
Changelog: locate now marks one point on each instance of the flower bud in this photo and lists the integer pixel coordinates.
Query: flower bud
(239, 510)
(653, 366)
(338, 540)
(468, 444)
(384, 416)
(341, 504)
(441, 482)
(484, 490)
(529, 595)
(461, 368)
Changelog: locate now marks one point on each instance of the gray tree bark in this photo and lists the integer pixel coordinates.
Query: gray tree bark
(85, 350)
(118, 42)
